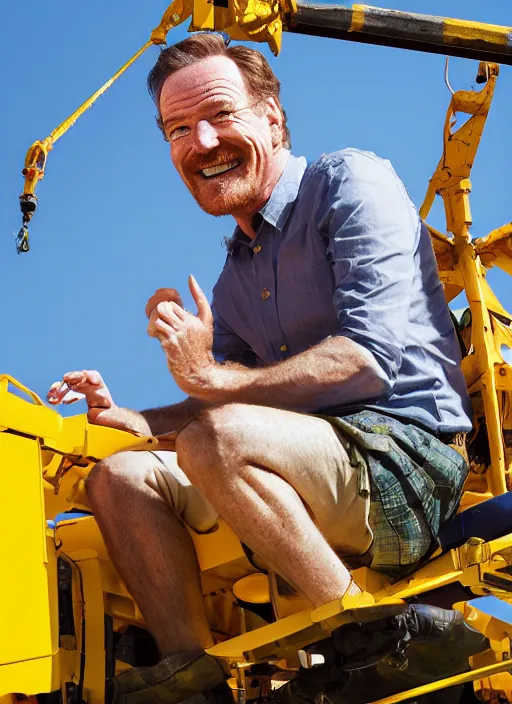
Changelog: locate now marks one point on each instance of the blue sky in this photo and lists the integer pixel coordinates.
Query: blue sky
(114, 221)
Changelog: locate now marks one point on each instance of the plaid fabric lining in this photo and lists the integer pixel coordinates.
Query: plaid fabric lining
(416, 483)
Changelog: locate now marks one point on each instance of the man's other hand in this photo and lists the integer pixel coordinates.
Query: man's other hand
(186, 339)
(161, 295)
(88, 385)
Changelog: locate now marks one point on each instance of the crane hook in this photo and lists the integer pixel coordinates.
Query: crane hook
(22, 244)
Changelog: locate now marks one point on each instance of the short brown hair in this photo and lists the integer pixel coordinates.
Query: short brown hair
(259, 77)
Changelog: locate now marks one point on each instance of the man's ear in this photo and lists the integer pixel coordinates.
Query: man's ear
(275, 118)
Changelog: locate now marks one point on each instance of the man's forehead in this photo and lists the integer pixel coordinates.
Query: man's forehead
(215, 75)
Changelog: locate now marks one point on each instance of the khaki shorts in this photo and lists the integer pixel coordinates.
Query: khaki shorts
(333, 491)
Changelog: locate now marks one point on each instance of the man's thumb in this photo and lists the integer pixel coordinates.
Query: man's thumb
(204, 312)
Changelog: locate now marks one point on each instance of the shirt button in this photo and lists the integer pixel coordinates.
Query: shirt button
(265, 294)
(283, 348)
(257, 249)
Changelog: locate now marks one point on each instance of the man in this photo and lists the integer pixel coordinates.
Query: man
(324, 387)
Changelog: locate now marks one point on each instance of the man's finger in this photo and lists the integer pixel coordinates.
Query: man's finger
(72, 396)
(204, 312)
(75, 377)
(161, 295)
(56, 392)
(164, 311)
(94, 378)
(85, 377)
(179, 312)
(174, 320)
(60, 392)
(85, 384)
(159, 328)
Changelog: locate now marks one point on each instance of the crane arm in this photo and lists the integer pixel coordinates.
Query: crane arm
(405, 30)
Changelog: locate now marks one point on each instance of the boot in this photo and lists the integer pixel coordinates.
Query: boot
(441, 645)
(193, 677)
(364, 662)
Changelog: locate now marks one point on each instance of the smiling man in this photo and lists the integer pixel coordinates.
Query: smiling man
(324, 392)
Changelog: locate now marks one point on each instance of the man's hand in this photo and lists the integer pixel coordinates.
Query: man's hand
(162, 295)
(88, 385)
(186, 339)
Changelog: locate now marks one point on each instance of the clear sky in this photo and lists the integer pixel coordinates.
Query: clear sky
(114, 221)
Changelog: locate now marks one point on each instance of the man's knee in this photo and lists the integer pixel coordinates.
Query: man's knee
(217, 431)
(116, 473)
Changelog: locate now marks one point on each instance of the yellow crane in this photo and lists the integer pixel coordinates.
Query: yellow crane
(61, 587)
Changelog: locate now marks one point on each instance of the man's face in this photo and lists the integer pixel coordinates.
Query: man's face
(223, 143)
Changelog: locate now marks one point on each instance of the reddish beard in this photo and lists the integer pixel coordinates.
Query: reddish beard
(229, 196)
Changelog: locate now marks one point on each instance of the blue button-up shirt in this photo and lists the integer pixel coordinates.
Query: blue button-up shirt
(340, 250)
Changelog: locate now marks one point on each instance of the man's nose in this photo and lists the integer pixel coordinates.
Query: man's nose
(206, 137)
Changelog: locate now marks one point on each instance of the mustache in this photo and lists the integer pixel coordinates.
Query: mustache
(213, 159)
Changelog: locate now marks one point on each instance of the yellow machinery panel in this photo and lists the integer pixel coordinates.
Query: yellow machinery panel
(28, 587)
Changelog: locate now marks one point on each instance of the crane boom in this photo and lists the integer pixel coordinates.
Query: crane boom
(405, 30)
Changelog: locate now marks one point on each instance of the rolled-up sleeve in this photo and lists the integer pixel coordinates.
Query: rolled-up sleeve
(227, 345)
(372, 230)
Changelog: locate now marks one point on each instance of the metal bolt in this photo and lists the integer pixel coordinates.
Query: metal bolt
(176, 17)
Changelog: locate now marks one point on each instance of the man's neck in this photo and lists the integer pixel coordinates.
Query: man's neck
(245, 220)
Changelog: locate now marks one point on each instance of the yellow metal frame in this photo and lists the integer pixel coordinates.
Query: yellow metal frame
(462, 265)
(43, 662)
(45, 459)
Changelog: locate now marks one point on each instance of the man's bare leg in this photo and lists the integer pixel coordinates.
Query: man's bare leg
(244, 459)
(151, 550)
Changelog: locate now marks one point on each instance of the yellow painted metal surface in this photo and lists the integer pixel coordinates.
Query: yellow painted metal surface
(28, 596)
(28, 676)
(357, 23)
(448, 682)
(454, 29)
(235, 648)
(216, 548)
(94, 676)
(496, 248)
(484, 367)
(254, 589)
(204, 15)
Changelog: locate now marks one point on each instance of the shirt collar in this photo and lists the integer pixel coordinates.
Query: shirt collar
(278, 208)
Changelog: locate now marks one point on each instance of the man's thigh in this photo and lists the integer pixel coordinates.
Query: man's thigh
(188, 502)
(310, 455)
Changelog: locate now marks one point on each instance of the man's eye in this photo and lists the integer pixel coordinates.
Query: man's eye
(178, 132)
